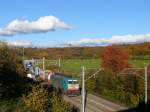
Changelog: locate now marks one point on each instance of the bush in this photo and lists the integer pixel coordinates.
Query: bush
(127, 89)
(58, 105)
(40, 100)
(36, 100)
(134, 99)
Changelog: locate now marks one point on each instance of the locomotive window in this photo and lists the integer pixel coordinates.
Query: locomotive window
(73, 82)
(70, 82)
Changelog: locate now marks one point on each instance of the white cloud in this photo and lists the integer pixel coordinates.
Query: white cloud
(20, 43)
(43, 24)
(117, 39)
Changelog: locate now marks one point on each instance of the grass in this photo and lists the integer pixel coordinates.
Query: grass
(74, 65)
(139, 63)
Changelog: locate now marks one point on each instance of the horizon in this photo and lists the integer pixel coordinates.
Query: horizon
(74, 46)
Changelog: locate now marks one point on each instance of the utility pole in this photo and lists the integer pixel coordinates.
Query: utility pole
(43, 63)
(59, 62)
(145, 84)
(83, 89)
(83, 86)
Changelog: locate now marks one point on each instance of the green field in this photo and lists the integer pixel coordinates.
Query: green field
(139, 63)
(73, 66)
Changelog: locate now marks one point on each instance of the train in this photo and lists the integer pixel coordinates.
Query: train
(65, 84)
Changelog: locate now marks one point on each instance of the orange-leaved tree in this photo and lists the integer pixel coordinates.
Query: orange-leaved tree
(115, 58)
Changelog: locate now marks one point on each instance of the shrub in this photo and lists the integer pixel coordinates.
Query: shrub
(58, 105)
(134, 99)
(36, 100)
(40, 100)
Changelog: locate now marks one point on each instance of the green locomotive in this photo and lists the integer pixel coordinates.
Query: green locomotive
(66, 85)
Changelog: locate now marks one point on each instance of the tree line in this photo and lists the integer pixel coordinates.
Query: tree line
(136, 51)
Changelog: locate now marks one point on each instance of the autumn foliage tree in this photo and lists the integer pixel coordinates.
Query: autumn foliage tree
(13, 82)
(115, 58)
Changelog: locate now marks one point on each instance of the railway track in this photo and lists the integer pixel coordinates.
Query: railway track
(95, 104)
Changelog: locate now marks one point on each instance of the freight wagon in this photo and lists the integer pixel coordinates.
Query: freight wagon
(66, 85)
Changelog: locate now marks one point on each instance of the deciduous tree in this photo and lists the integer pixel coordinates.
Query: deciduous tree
(115, 58)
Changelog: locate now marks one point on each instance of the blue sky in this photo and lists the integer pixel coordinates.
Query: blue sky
(90, 20)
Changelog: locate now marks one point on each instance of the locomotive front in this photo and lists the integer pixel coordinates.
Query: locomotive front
(73, 87)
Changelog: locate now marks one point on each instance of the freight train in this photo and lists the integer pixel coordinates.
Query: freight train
(66, 85)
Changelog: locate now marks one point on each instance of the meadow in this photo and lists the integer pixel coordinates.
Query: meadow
(73, 66)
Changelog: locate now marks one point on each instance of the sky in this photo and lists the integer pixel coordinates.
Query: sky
(51, 23)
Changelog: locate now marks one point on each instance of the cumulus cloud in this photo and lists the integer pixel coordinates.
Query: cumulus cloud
(117, 39)
(43, 24)
(20, 43)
